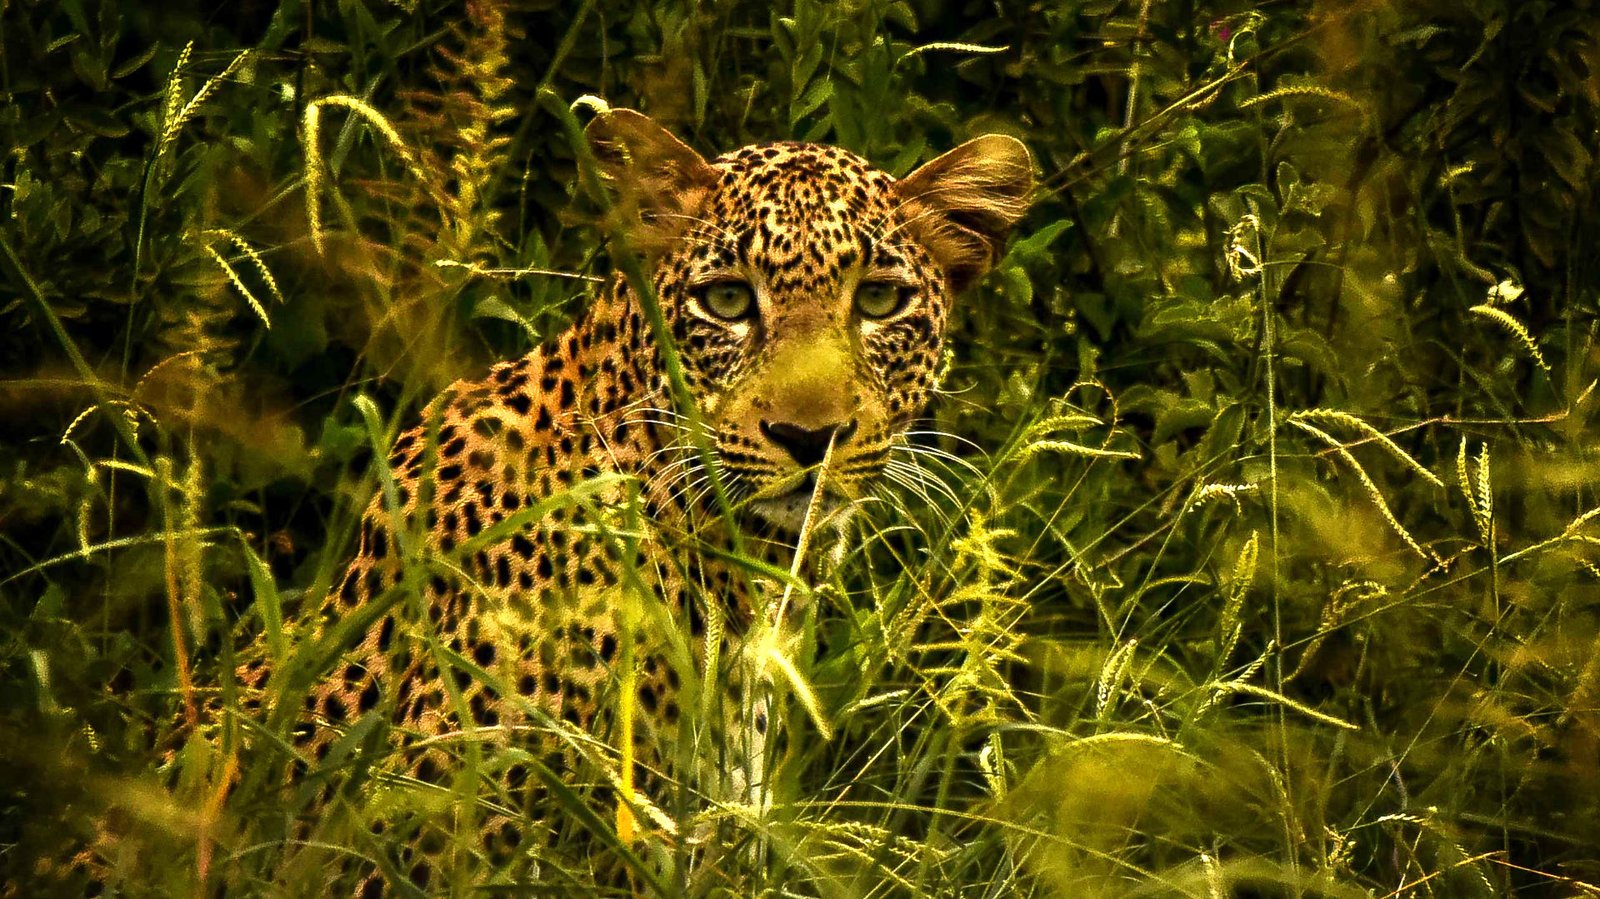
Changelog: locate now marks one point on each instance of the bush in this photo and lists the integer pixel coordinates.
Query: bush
(1255, 553)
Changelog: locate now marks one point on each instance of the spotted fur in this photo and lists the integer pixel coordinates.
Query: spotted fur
(519, 503)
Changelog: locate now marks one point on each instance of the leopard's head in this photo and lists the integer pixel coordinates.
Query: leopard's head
(808, 293)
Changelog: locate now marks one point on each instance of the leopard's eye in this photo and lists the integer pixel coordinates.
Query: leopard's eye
(730, 300)
(881, 299)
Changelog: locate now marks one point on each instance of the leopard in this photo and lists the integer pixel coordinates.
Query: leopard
(788, 330)
(558, 554)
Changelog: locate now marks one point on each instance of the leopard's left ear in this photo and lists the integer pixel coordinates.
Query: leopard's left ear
(660, 181)
(963, 204)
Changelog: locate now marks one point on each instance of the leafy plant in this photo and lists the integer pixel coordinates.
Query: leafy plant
(1251, 550)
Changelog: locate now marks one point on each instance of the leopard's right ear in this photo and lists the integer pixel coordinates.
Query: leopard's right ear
(660, 181)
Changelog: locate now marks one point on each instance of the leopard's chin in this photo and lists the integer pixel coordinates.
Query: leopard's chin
(787, 511)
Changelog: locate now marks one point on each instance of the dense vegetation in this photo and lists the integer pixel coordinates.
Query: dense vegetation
(1267, 564)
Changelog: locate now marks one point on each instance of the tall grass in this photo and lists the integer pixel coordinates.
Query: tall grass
(1251, 549)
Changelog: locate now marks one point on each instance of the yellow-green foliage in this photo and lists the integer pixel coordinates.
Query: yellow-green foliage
(1252, 548)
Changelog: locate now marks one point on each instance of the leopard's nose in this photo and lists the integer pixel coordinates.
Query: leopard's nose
(807, 446)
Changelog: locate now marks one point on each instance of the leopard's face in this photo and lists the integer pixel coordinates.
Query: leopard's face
(810, 324)
(808, 294)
